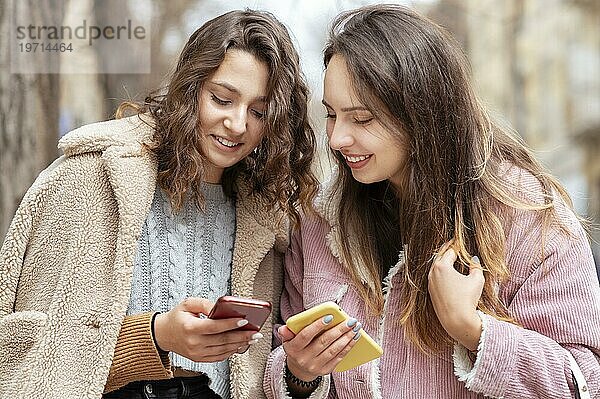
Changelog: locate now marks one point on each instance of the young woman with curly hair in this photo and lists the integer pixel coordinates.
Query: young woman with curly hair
(123, 243)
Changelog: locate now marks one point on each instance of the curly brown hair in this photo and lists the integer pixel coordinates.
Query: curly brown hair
(280, 168)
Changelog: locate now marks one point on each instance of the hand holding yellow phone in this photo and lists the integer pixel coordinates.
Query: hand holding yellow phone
(365, 349)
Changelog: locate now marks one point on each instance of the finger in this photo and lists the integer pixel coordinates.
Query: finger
(233, 338)
(308, 333)
(220, 350)
(223, 350)
(340, 341)
(325, 340)
(216, 358)
(443, 249)
(347, 343)
(475, 263)
(447, 259)
(285, 333)
(475, 268)
(218, 326)
(196, 305)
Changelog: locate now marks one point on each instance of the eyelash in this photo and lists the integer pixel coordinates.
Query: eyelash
(362, 122)
(357, 121)
(219, 101)
(257, 114)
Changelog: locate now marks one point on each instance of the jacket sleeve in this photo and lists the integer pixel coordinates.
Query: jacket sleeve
(136, 357)
(19, 330)
(556, 301)
(291, 303)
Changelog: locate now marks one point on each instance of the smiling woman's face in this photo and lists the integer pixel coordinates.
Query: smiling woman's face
(232, 105)
(372, 152)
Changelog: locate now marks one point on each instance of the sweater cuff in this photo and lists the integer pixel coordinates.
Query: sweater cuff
(136, 356)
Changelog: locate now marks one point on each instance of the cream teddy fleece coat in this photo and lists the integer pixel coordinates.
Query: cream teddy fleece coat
(67, 260)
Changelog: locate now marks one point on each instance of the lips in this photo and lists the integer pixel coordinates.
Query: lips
(356, 158)
(225, 142)
(356, 161)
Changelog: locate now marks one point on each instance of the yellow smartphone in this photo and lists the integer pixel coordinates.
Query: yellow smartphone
(365, 349)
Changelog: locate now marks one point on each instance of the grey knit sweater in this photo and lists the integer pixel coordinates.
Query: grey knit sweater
(182, 255)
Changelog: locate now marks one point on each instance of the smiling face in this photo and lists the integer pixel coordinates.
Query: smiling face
(232, 104)
(371, 151)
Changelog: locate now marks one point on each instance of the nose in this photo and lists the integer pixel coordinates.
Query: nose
(339, 137)
(237, 121)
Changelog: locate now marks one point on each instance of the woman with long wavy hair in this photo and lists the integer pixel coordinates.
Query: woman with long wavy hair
(123, 244)
(439, 232)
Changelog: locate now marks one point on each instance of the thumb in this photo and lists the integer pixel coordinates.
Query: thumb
(196, 305)
(475, 268)
(285, 333)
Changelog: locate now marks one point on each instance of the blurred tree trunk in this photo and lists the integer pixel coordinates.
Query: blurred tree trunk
(168, 17)
(28, 112)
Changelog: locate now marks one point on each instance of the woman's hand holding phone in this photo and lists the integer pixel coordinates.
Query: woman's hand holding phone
(180, 330)
(317, 349)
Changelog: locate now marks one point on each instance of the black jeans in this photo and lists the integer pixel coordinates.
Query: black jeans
(174, 388)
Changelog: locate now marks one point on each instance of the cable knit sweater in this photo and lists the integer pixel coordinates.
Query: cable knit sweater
(66, 266)
(186, 254)
(554, 295)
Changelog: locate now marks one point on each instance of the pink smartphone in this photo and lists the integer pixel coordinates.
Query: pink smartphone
(253, 310)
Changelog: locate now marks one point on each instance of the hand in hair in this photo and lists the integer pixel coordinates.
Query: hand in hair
(180, 330)
(455, 296)
(315, 351)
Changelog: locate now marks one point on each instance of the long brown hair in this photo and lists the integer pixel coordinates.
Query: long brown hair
(414, 78)
(280, 168)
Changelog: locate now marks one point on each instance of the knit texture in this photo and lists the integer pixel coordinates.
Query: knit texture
(186, 254)
(134, 347)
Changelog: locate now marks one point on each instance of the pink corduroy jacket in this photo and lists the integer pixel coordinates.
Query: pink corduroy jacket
(555, 297)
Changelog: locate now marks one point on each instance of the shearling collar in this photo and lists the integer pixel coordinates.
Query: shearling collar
(98, 137)
(125, 137)
(328, 199)
(270, 218)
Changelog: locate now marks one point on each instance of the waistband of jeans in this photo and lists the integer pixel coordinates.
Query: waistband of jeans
(179, 372)
(200, 380)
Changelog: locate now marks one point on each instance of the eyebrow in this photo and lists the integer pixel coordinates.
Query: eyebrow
(348, 109)
(235, 90)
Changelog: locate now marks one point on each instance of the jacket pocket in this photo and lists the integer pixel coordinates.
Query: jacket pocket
(19, 332)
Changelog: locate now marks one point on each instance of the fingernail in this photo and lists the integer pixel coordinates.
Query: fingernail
(252, 341)
(257, 336)
(327, 319)
(351, 322)
(475, 259)
(242, 323)
(356, 336)
(357, 328)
